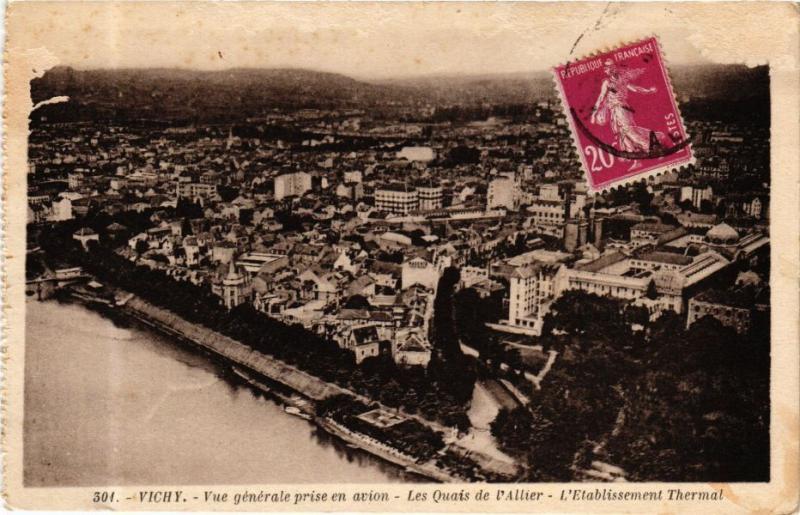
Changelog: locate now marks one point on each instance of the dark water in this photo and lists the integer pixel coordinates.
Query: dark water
(106, 405)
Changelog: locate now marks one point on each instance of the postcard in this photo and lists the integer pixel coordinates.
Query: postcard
(401, 257)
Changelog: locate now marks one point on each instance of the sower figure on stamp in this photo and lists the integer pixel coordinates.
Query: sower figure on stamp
(612, 106)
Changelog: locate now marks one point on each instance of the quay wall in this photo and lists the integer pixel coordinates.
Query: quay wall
(301, 382)
(384, 451)
(232, 350)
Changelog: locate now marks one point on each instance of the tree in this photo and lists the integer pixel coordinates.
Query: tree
(444, 336)
(188, 209)
(453, 374)
(470, 318)
(706, 206)
(702, 393)
(643, 198)
(357, 302)
(578, 313)
(463, 155)
(652, 292)
(668, 406)
(636, 315)
(141, 247)
(551, 434)
(446, 401)
(227, 193)
(186, 227)
(513, 429)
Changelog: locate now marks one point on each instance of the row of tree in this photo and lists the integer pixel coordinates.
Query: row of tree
(408, 436)
(415, 389)
(449, 366)
(665, 403)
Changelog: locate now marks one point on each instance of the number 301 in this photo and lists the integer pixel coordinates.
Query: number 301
(599, 158)
(103, 497)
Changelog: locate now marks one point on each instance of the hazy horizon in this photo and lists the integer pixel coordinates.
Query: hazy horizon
(362, 78)
(366, 41)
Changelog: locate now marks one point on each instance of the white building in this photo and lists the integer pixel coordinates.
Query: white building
(197, 192)
(696, 195)
(62, 210)
(532, 288)
(548, 208)
(85, 235)
(353, 176)
(419, 271)
(254, 262)
(75, 180)
(397, 199)
(350, 190)
(191, 250)
(363, 340)
(547, 212)
(753, 207)
(235, 287)
(411, 348)
(423, 154)
(549, 192)
(503, 192)
(629, 277)
(292, 184)
(648, 232)
(472, 275)
(430, 197)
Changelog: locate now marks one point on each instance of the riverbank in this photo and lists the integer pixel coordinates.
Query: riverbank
(289, 378)
(165, 412)
(294, 405)
(383, 451)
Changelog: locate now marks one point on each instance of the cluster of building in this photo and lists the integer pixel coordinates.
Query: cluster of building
(661, 267)
(348, 228)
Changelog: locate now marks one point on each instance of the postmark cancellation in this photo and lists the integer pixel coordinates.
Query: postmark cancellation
(623, 115)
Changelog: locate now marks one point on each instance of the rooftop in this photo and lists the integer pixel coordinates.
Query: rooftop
(381, 418)
(722, 233)
(652, 227)
(395, 186)
(602, 262)
(665, 257)
(744, 298)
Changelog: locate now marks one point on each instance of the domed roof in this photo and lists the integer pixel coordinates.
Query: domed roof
(722, 233)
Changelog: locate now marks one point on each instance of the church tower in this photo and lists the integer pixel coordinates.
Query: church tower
(235, 287)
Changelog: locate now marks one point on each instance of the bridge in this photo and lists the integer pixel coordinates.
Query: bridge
(61, 280)
(45, 285)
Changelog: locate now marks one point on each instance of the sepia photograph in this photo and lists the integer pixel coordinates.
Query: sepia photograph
(393, 254)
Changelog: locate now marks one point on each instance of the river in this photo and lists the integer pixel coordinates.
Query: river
(107, 405)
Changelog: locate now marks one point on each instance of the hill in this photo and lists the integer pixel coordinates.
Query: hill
(173, 95)
(187, 95)
(706, 81)
(509, 88)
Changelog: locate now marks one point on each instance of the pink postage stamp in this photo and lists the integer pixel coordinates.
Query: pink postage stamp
(622, 112)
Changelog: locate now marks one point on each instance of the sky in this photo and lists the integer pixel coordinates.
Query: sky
(364, 40)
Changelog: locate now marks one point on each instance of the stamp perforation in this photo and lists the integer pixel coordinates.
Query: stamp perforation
(635, 176)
